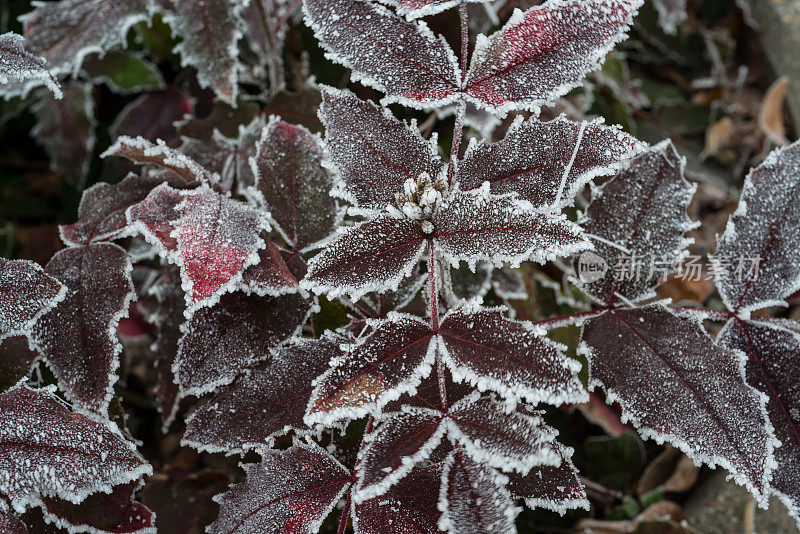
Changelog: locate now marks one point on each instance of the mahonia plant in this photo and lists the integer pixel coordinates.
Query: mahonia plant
(418, 422)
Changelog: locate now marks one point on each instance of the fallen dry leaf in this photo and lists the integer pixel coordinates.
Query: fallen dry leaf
(770, 115)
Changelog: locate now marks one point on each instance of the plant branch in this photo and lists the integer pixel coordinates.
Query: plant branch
(349, 500)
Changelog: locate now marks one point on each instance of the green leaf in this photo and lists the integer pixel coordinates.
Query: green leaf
(124, 72)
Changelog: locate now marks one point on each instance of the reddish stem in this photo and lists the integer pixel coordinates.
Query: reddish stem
(345, 513)
(348, 502)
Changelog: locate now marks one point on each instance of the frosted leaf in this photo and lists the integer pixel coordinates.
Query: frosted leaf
(26, 293)
(408, 507)
(48, 451)
(235, 333)
(16, 63)
(403, 59)
(168, 318)
(266, 401)
(11, 524)
(143, 152)
(508, 284)
(675, 385)
(229, 157)
(763, 231)
(375, 255)
(554, 488)
(490, 351)
(293, 186)
(17, 360)
(670, 14)
(542, 53)
(210, 30)
(154, 216)
(153, 115)
(101, 214)
(473, 498)
(289, 491)
(547, 163)
(222, 118)
(99, 513)
(414, 9)
(78, 337)
(373, 152)
(213, 239)
(476, 225)
(65, 129)
(772, 358)
(65, 32)
(271, 275)
(402, 440)
(390, 361)
(491, 435)
(642, 210)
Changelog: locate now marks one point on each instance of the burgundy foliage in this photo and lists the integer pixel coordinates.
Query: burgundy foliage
(271, 251)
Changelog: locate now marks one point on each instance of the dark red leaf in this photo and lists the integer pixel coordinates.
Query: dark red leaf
(116, 512)
(292, 184)
(374, 152)
(153, 115)
(78, 337)
(554, 488)
(674, 384)
(413, 9)
(366, 38)
(290, 491)
(503, 439)
(17, 360)
(66, 32)
(48, 451)
(408, 507)
(101, 214)
(478, 226)
(264, 401)
(772, 367)
(229, 157)
(235, 333)
(547, 163)
(11, 524)
(143, 152)
(375, 255)
(213, 238)
(271, 275)
(155, 215)
(473, 497)
(210, 30)
(390, 361)
(401, 441)
(761, 234)
(642, 211)
(65, 128)
(542, 53)
(18, 64)
(26, 293)
(489, 351)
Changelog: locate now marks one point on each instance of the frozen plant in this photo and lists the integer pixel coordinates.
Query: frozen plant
(410, 422)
